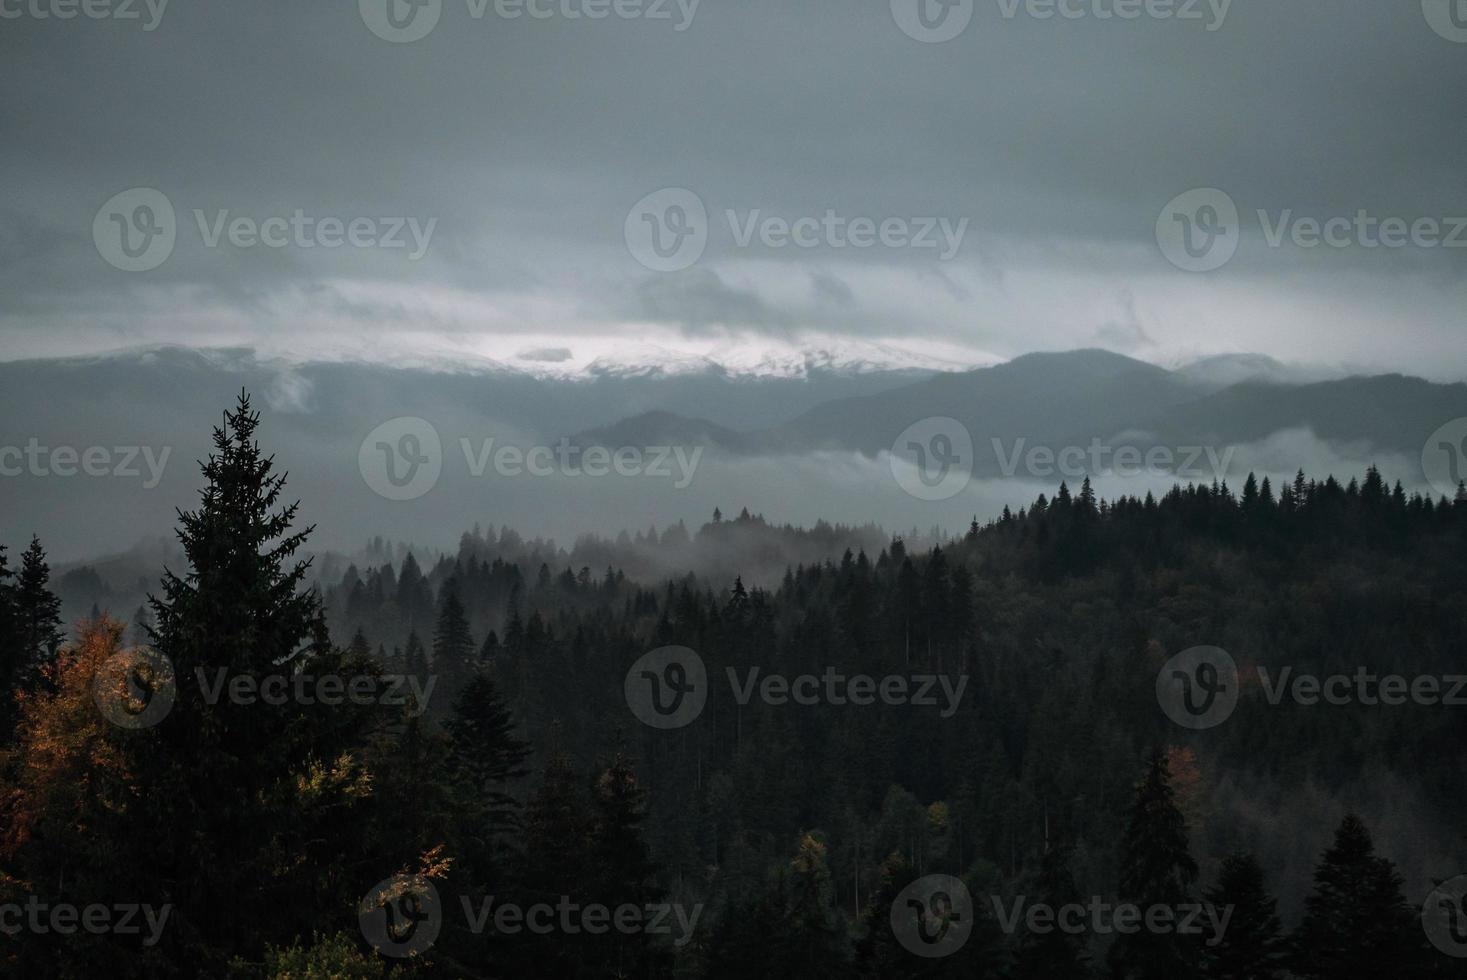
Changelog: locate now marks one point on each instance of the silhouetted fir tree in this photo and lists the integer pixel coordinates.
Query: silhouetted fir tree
(142, 620)
(1053, 954)
(415, 665)
(359, 648)
(37, 614)
(1356, 923)
(622, 870)
(1086, 505)
(484, 757)
(514, 629)
(414, 596)
(1252, 945)
(878, 953)
(742, 934)
(12, 660)
(557, 825)
(738, 602)
(1156, 869)
(621, 858)
(415, 807)
(790, 930)
(453, 647)
(556, 860)
(241, 790)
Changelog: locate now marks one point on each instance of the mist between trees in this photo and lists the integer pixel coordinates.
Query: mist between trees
(797, 826)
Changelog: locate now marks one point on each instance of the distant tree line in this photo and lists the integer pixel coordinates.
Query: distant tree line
(797, 827)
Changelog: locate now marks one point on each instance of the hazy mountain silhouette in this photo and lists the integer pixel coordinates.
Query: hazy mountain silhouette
(1075, 397)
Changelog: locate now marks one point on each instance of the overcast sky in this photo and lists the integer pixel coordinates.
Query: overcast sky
(1039, 155)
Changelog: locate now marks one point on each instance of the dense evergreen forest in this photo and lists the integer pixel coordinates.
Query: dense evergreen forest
(1017, 754)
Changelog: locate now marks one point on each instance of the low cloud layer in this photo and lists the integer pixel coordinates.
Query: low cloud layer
(528, 139)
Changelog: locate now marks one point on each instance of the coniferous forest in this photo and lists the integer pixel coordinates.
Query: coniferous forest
(682, 490)
(940, 759)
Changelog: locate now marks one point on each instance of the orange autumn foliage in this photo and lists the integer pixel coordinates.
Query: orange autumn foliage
(67, 765)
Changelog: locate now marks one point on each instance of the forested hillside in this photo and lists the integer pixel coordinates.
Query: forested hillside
(988, 709)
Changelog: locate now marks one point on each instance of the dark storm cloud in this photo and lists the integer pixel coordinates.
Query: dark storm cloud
(699, 300)
(547, 355)
(528, 139)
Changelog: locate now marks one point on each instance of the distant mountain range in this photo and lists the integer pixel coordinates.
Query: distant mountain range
(1070, 399)
(317, 414)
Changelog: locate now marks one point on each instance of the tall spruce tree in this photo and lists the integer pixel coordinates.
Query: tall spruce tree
(1157, 869)
(623, 871)
(1251, 947)
(254, 799)
(1357, 924)
(453, 646)
(1054, 954)
(12, 662)
(37, 613)
(485, 757)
